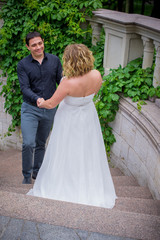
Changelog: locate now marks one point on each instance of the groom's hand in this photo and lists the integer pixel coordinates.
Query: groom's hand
(39, 102)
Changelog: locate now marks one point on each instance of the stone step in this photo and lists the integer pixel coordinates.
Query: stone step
(94, 219)
(138, 200)
(10, 153)
(121, 191)
(124, 181)
(11, 178)
(133, 192)
(21, 190)
(116, 172)
(138, 205)
(15, 155)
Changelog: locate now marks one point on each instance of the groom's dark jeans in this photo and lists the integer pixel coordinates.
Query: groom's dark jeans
(36, 124)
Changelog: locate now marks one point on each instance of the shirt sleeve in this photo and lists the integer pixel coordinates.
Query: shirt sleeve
(25, 83)
(59, 72)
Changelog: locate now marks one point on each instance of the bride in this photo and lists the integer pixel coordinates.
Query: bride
(75, 167)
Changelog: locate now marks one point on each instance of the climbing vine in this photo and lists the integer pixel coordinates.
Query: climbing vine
(60, 23)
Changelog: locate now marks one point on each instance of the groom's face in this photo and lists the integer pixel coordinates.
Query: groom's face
(36, 47)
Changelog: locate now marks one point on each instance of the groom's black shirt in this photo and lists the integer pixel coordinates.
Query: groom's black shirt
(39, 80)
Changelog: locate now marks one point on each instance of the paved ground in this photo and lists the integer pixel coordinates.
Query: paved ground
(19, 229)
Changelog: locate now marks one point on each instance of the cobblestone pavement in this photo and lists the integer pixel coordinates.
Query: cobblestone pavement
(19, 229)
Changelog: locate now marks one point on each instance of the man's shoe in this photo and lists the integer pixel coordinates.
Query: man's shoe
(34, 175)
(27, 180)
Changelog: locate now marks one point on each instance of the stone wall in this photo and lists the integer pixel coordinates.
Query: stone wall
(15, 140)
(137, 148)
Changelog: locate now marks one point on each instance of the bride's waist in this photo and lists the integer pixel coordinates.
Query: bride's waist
(78, 104)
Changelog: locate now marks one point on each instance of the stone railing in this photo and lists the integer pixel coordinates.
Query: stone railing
(137, 148)
(127, 37)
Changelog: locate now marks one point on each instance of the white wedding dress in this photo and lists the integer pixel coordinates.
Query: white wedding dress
(75, 167)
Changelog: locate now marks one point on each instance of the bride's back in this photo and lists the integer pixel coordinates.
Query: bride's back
(85, 85)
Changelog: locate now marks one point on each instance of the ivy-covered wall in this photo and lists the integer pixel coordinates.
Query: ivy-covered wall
(15, 140)
(59, 22)
(2, 3)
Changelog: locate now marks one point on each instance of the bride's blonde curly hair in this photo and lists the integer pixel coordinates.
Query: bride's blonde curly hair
(77, 60)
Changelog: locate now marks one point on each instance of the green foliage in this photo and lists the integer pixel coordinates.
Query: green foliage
(110, 4)
(59, 22)
(98, 52)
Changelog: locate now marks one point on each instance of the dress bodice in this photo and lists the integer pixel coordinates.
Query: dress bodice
(79, 101)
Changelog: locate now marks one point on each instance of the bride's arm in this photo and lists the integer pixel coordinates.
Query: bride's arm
(99, 81)
(61, 92)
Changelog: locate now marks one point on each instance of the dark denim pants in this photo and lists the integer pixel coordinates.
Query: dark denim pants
(36, 124)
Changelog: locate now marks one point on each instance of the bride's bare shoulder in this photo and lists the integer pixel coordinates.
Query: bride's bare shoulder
(67, 83)
(63, 78)
(96, 74)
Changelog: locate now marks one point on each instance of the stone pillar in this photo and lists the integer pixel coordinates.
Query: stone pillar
(114, 49)
(134, 47)
(156, 77)
(120, 48)
(96, 31)
(148, 52)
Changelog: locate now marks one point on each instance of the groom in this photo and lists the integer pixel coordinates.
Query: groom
(38, 75)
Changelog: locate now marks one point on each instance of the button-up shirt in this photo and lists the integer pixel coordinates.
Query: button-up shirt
(39, 80)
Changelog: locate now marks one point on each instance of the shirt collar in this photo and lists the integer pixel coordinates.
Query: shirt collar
(32, 59)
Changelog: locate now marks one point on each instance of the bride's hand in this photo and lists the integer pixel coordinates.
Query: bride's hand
(40, 102)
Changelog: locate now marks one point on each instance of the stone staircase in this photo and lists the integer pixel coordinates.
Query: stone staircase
(136, 214)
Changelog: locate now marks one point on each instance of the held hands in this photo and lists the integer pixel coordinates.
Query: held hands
(40, 102)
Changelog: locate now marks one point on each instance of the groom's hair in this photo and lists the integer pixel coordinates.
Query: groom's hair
(32, 35)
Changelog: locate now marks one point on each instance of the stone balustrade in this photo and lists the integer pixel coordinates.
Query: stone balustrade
(137, 148)
(127, 37)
